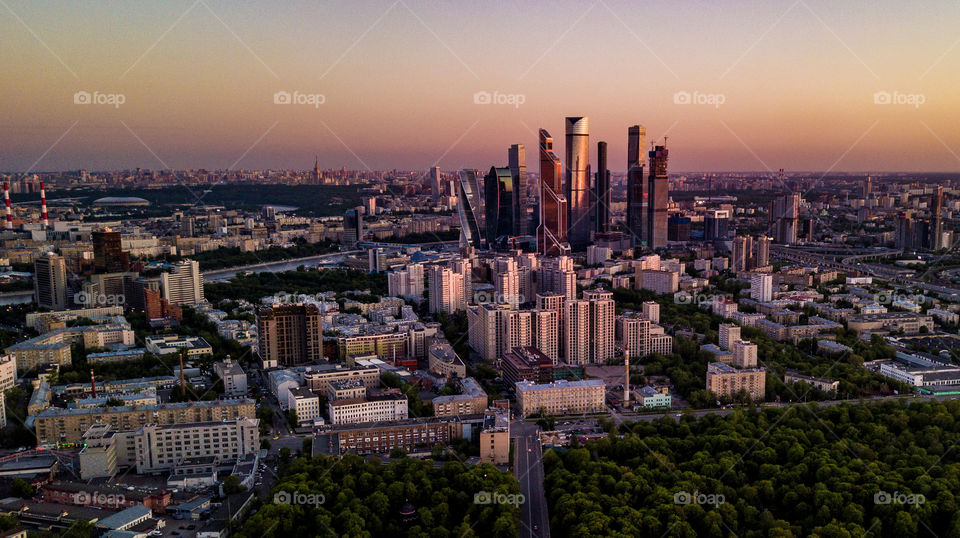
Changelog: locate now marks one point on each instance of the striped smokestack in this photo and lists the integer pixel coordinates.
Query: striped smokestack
(43, 206)
(6, 198)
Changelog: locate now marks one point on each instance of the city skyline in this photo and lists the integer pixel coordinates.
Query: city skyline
(800, 86)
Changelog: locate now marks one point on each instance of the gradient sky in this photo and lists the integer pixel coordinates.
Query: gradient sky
(399, 78)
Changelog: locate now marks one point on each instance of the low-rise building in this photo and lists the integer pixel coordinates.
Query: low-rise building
(561, 397)
(727, 381)
(412, 435)
(649, 397)
(384, 407)
(233, 377)
(471, 401)
(444, 361)
(172, 343)
(826, 385)
(495, 436)
(305, 404)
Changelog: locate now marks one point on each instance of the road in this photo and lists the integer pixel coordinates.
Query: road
(528, 468)
(222, 275)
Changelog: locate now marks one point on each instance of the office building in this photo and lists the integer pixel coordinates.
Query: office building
(290, 334)
(741, 254)
(526, 364)
(763, 252)
(498, 205)
(417, 434)
(577, 182)
(716, 225)
(561, 397)
(517, 161)
(435, 183)
(232, 376)
(50, 282)
(658, 198)
(660, 281)
(384, 407)
(58, 425)
(304, 403)
(470, 209)
(637, 194)
(165, 447)
(183, 285)
(678, 228)
(552, 230)
(108, 253)
(320, 379)
(602, 189)
(352, 227)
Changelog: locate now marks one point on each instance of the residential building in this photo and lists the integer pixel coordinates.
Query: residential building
(471, 400)
(184, 284)
(233, 377)
(385, 407)
(50, 282)
(727, 381)
(561, 397)
(290, 334)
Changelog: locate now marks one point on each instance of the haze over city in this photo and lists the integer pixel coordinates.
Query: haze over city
(796, 80)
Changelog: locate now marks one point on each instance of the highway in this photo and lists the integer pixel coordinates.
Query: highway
(222, 275)
(528, 468)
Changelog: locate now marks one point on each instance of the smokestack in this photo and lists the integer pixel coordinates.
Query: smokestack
(183, 384)
(626, 380)
(6, 198)
(93, 384)
(43, 206)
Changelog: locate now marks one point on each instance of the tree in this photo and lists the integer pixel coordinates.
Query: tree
(231, 485)
(21, 488)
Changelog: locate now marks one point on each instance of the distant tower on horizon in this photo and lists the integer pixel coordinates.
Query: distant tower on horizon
(602, 187)
(517, 161)
(578, 181)
(316, 170)
(938, 242)
(498, 204)
(552, 231)
(636, 185)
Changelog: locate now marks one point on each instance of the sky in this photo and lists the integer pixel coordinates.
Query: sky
(807, 85)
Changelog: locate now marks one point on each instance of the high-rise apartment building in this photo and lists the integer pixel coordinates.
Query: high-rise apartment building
(761, 287)
(352, 227)
(290, 334)
(183, 285)
(729, 333)
(744, 354)
(506, 281)
(407, 282)
(435, 183)
(577, 181)
(785, 217)
(552, 231)
(446, 289)
(762, 258)
(741, 254)
(50, 282)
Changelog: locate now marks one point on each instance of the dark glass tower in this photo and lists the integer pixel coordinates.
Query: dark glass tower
(602, 187)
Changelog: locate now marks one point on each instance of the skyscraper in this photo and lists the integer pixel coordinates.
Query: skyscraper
(602, 186)
(435, 183)
(716, 225)
(184, 284)
(636, 185)
(290, 334)
(470, 208)
(763, 251)
(552, 231)
(784, 218)
(937, 241)
(517, 161)
(578, 181)
(657, 198)
(50, 282)
(352, 227)
(498, 204)
(108, 253)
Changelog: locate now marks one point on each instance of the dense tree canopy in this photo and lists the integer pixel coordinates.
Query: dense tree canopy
(842, 470)
(364, 499)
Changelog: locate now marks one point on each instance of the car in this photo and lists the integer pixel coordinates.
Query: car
(529, 450)
(536, 527)
(276, 437)
(191, 527)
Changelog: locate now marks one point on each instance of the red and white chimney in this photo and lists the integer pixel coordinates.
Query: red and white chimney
(43, 206)
(6, 198)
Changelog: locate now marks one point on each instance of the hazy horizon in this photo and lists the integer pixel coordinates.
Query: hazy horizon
(851, 87)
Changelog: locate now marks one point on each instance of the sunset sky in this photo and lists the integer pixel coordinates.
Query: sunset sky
(797, 81)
